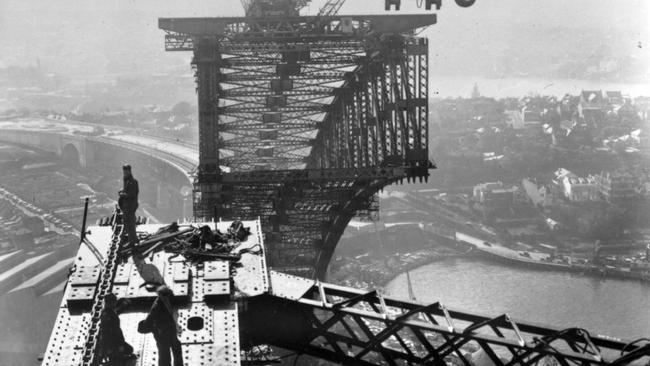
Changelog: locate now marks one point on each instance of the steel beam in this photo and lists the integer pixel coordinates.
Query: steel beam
(182, 32)
(356, 327)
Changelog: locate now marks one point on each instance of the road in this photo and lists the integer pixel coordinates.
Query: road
(182, 154)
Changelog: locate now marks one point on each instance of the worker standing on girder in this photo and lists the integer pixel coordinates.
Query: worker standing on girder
(162, 322)
(112, 346)
(128, 203)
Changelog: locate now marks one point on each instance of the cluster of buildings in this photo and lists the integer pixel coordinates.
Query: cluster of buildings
(601, 135)
(566, 185)
(579, 205)
(591, 106)
(575, 188)
(606, 118)
(494, 195)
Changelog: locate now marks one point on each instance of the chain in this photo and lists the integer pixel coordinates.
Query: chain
(104, 287)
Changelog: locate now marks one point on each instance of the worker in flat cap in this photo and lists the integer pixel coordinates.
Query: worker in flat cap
(128, 203)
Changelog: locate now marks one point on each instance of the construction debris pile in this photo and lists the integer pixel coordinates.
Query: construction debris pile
(196, 244)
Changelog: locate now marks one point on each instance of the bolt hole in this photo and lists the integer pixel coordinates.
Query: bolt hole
(195, 323)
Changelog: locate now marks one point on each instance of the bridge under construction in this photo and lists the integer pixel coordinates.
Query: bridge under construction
(302, 120)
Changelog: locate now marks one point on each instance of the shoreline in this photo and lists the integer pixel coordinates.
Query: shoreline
(374, 270)
(491, 260)
(414, 266)
(378, 276)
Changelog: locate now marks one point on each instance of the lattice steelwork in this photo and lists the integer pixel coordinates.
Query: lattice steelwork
(303, 119)
(355, 327)
(242, 305)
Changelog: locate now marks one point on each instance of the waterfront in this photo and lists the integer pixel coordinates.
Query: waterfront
(613, 307)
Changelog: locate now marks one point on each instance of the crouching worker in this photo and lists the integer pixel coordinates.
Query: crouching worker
(112, 347)
(162, 323)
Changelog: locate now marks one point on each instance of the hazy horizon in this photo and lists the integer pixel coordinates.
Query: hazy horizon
(606, 41)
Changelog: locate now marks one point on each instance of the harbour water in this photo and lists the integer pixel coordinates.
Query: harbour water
(610, 307)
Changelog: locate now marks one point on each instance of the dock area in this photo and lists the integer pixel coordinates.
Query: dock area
(546, 261)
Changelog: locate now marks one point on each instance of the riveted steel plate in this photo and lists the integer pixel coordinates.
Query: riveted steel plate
(120, 290)
(123, 274)
(251, 277)
(216, 270)
(200, 346)
(215, 288)
(80, 297)
(200, 355)
(180, 289)
(197, 290)
(85, 276)
(226, 339)
(176, 273)
(137, 290)
(67, 339)
(181, 271)
(288, 286)
(203, 335)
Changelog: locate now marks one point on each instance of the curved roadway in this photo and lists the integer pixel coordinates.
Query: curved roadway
(180, 154)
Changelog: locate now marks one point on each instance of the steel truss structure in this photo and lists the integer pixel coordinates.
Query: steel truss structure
(303, 119)
(354, 327)
(228, 311)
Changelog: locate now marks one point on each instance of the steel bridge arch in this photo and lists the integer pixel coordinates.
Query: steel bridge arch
(302, 121)
(341, 222)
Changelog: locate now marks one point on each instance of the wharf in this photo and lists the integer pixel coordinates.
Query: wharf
(542, 261)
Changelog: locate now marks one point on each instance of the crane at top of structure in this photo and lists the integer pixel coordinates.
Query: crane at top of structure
(273, 8)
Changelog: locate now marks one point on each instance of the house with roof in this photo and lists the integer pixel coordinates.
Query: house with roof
(494, 195)
(581, 189)
(591, 100)
(614, 98)
(592, 106)
(618, 187)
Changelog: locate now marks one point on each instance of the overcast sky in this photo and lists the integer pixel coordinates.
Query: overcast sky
(99, 36)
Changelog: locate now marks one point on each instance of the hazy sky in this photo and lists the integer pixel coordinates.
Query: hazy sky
(99, 36)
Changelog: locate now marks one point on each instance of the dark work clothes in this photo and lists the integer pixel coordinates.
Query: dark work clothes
(164, 331)
(165, 342)
(130, 198)
(128, 217)
(111, 342)
(129, 204)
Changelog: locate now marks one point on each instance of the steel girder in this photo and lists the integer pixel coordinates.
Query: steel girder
(379, 118)
(266, 118)
(355, 327)
(182, 33)
(302, 219)
(300, 125)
